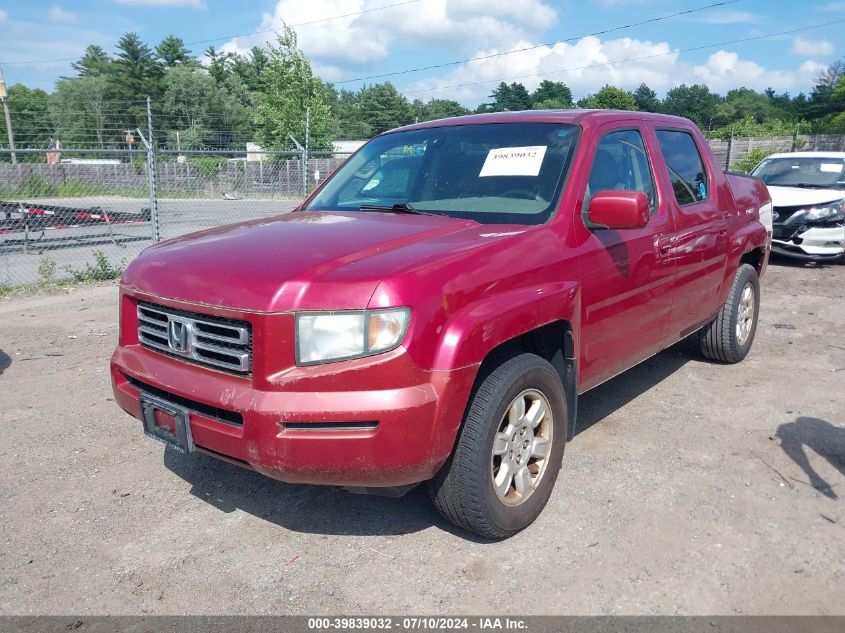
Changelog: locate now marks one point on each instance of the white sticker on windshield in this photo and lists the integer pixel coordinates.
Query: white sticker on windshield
(514, 161)
(833, 168)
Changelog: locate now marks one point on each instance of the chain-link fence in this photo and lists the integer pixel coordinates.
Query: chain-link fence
(84, 213)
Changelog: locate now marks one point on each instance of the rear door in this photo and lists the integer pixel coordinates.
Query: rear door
(626, 285)
(699, 246)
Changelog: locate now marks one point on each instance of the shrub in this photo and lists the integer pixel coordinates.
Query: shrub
(209, 166)
(750, 160)
(46, 270)
(100, 270)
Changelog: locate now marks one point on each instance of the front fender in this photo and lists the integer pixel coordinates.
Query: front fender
(471, 333)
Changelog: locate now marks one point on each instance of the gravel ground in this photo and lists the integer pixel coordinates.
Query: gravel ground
(685, 492)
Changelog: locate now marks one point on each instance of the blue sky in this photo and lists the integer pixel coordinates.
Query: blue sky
(426, 32)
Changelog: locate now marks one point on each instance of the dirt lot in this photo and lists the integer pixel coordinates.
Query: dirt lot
(684, 492)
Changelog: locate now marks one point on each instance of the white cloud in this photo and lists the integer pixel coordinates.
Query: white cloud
(582, 66)
(732, 17)
(193, 4)
(335, 46)
(809, 48)
(724, 70)
(585, 67)
(3, 15)
(59, 15)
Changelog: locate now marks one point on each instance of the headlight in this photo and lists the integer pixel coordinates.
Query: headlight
(323, 337)
(829, 213)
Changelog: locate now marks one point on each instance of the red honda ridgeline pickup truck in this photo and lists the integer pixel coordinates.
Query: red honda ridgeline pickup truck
(433, 310)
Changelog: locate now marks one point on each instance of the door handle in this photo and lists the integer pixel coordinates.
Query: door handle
(663, 245)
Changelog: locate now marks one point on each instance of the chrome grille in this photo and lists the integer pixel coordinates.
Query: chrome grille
(207, 340)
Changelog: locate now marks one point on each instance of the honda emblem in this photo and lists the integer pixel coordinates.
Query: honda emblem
(179, 336)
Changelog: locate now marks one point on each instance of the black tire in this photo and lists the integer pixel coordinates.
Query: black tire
(463, 489)
(719, 339)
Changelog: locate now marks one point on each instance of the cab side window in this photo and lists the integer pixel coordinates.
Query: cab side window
(686, 168)
(621, 164)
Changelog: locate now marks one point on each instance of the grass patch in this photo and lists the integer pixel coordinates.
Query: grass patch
(100, 270)
(36, 187)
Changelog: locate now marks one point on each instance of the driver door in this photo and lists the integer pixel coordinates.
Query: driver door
(627, 283)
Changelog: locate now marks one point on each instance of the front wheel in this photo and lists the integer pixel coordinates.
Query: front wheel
(509, 451)
(729, 336)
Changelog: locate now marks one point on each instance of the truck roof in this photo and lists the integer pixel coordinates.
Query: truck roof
(547, 116)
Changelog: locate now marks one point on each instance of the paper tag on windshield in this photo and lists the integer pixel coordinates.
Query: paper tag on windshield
(514, 161)
(833, 168)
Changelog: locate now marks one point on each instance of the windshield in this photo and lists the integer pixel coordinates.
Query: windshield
(802, 171)
(495, 173)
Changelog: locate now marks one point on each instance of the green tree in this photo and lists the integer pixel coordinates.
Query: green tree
(30, 119)
(200, 110)
(79, 108)
(383, 107)
(348, 122)
(694, 102)
(552, 95)
(646, 99)
(171, 51)
(442, 109)
(742, 103)
(136, 75)
(95, 61)
(291, 88)
(609, 98)
(249, 68)
(511, 98)
(219, 63)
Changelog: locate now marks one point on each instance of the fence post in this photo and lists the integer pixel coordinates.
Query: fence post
(151, 175)
(151, 184)
(728, 153)
(304, 168)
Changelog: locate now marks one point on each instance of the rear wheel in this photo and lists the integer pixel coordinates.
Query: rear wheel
(508, 454)
(729, 336)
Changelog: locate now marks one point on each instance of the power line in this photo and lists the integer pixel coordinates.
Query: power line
(229, 37)
(632, 59)
(536, 46)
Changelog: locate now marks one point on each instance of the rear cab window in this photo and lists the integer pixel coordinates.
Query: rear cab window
(690, 180)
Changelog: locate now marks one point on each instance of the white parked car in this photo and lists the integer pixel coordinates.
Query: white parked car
(808, 199)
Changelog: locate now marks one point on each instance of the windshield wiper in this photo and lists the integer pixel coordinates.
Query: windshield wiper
(399, 207)
(804, 185)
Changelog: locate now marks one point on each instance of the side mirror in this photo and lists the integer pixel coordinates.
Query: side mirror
(618, 210)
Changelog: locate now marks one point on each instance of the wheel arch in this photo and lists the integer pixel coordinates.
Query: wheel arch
(555, 343)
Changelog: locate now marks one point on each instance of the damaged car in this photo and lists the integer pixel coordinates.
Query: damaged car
(808, 196)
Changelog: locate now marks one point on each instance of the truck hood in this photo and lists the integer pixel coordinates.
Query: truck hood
(800, 197)
(298, 261)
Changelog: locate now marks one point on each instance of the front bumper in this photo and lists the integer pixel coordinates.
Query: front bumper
(374, 422)
(817, 244)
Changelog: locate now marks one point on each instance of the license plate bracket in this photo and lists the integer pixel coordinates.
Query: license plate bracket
(167, 422)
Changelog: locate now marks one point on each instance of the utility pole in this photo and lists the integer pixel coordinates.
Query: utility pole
(4, 98)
